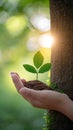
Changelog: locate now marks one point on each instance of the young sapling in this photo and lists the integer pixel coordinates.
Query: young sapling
(38, 66)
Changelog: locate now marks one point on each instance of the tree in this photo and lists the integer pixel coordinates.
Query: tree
(62, 56)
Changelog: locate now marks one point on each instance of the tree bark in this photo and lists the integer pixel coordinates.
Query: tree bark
(61, 12)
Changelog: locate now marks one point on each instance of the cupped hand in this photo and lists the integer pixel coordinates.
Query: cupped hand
(46, 99)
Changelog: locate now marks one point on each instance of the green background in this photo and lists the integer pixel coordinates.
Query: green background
(15, 112)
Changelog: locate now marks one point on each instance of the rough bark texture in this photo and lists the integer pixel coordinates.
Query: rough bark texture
(62, 56)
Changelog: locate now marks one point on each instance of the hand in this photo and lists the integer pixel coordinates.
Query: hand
(45, 99)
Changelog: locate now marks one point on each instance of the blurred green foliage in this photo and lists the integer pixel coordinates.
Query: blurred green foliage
(15, 112)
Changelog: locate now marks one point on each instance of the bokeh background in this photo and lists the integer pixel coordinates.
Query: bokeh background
(24, 29)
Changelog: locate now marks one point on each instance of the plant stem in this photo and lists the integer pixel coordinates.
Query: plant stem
(37, 75)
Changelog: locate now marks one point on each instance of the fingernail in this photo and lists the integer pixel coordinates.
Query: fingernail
(12, 73)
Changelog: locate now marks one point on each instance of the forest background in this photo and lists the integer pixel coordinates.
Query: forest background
(23, 25)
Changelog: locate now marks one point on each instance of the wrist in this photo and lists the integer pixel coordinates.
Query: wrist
(66, 106)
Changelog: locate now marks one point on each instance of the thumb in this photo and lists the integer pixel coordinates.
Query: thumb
(30, 95)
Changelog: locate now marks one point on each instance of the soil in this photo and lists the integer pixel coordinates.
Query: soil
(36, 85)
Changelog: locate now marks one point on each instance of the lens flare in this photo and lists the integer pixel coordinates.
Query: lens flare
(46, 40)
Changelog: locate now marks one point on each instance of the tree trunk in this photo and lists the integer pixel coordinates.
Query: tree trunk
(62, 56)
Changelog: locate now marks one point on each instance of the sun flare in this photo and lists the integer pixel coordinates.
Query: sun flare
(46, 40)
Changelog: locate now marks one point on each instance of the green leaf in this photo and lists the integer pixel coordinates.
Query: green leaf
(30, 68)
(38, 59)
(46, 67)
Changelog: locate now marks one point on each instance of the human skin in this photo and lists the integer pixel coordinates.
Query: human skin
(45, 99)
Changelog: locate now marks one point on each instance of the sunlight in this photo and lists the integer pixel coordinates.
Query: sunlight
(16, 24)
(41, 22)
(46, 40)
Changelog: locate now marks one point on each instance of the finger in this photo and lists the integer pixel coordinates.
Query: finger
(23, 81)
(17, 81)
(15, 73)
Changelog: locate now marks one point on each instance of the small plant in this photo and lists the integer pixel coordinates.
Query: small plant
(38, 67)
